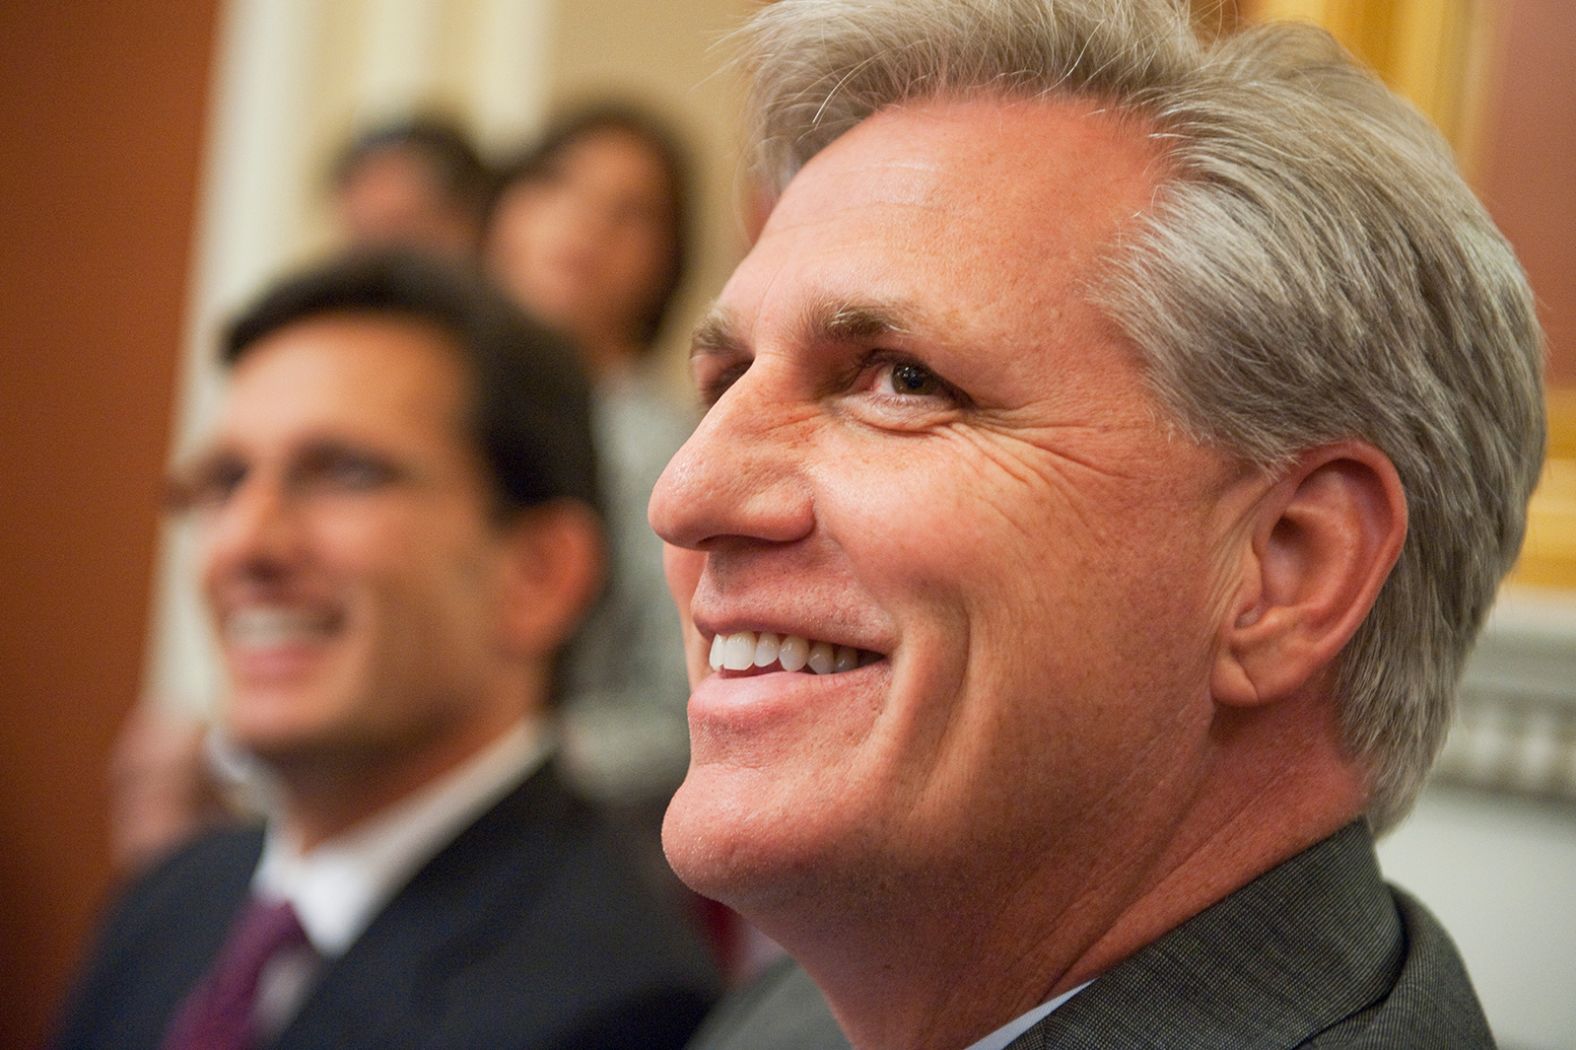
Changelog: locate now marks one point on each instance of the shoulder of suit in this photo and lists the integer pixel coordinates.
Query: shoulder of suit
(1431, 1003)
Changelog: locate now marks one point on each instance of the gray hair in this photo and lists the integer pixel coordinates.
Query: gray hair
(1314, 269)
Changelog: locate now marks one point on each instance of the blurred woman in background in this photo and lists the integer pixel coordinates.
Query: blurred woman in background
(587, 231)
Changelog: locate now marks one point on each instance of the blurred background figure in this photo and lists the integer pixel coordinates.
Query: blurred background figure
(416, 183)
(398, 533)
(586, 229)
(588, 232)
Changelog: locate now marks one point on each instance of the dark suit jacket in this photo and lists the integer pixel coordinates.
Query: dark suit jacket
(528, 931)
(1317, 953)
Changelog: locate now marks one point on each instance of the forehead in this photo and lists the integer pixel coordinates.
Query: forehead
(613, 155)
(367, 374)
(394, 169)
(985, 210)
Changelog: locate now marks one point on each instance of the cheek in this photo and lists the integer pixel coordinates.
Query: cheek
(945, 533)
(683, 569)
(437, 621)
(210, 573)
(363, 547)
(1011, 583)
(423, 559)
(635, 263)
(520, 214)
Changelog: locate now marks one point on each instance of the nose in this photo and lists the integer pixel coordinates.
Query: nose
(741, 475)
(580, 217)
(255, 536)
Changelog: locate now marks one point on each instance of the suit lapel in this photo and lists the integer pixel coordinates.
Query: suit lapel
(181, 931)
(389, 985)
(1306, 944)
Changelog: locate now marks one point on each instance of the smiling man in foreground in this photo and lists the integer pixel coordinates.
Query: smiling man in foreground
(1113, 446)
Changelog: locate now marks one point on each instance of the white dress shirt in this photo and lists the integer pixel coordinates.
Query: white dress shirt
(1003, 1036)
(338, 887)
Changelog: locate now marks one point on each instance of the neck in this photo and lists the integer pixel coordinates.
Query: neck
(323, 800)
(926, 961)
(324, 793)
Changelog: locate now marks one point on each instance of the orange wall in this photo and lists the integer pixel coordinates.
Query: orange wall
(1528, 155)
(100, 115)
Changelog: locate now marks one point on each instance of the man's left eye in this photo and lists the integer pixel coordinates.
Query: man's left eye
(354, 472)
(908, 379)
(344, 471)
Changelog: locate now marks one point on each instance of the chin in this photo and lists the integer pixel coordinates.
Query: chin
(700, 836)
(271, 748)
(728, 838)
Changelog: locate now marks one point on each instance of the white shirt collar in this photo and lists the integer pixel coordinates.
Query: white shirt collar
(1003, 1036)
(338, 887)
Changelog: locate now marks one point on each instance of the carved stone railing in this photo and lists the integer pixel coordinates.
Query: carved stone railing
(1516, 728)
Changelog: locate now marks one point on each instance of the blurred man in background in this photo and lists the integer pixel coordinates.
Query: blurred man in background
(588, 231)
(416, 183)
(398, 536)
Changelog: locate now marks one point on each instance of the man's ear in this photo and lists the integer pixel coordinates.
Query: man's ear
(1322, 542)
(555, 558)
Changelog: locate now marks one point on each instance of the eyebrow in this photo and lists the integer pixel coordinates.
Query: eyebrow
(715, 335)
(825, 319)
(847, 322)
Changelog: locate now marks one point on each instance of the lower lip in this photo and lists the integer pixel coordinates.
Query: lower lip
(745, 702)
(262, 665)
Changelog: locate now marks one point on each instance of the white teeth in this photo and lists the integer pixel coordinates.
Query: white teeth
(738, 652)
(268, 626)
(822, 658)
(742, 650)
(792, 652)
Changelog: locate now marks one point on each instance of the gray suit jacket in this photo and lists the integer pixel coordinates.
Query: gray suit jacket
(1317, 953)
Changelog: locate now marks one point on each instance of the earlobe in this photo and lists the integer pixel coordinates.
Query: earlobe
(1323, 541)
(556, 560)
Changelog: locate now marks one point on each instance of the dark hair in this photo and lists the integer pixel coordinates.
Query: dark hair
(438, 143)
(657, 136)
(529, 410)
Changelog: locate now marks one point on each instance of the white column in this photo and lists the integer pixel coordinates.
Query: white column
(399, 56)
(251, 187)
(510, 77)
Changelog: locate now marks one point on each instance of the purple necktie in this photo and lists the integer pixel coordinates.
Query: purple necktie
(218, 1014)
